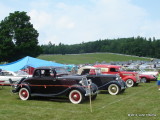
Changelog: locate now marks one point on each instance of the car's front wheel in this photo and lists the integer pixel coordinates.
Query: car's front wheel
(130, 83)
(113, 89)
(76, 97)
(24, 94)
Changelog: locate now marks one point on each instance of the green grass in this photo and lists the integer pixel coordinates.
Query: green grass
(140, 100)
(89, 58)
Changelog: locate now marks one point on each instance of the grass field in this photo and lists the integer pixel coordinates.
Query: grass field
(89, 58)
(136, 103)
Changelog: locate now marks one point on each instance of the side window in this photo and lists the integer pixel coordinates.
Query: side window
(1, 73)
(37, 73)
(113, 70)
(47, 73)
(42, 73)
(7, 74)
(85, 71)
(104, 69)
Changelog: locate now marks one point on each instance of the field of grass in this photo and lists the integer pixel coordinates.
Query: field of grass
(89, 58)
(136, 103)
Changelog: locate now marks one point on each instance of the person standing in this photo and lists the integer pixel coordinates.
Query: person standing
(158, 80)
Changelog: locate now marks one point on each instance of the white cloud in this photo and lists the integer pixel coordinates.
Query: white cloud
(65, 23)
(60, 21)
(41, 19)
(4, 11)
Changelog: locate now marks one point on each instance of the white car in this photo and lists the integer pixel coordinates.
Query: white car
(14, 76)
(154, 73)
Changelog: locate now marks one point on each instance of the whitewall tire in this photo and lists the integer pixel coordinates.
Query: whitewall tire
(130, 83)
(76, 97)
(113, 89)
(24, 94)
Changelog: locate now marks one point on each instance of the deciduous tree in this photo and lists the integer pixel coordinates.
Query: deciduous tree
(18, 38)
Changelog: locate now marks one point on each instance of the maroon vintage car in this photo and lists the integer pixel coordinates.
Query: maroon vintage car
(51, 82)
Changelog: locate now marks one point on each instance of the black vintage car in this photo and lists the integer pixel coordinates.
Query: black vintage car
(113, 83)
(52, 82)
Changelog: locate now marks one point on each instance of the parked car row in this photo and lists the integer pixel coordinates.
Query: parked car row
(87, 82)
(52, 82)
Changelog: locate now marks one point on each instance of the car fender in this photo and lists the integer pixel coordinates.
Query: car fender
(129, 77)
(23, 85)
(94, 87)
(77, 87)
(113, 82)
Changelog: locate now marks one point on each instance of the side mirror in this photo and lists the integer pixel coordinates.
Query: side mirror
(54, 73)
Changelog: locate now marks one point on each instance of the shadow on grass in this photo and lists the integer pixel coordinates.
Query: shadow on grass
(107, 93)
(54, 99)
(51, 99)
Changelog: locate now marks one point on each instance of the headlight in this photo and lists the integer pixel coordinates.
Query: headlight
(118, 78)
(85, 82)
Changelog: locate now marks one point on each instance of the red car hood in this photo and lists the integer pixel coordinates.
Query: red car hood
(126, 72)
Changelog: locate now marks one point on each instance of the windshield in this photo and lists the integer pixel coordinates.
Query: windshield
(98, 71)
(115, 69)
(61, 71)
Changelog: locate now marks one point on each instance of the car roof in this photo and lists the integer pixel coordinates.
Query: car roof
(88, 67)
(107, 66)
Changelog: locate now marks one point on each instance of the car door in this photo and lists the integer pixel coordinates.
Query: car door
(46, 85)
(50, 85)
(38, 82)
(95, 79)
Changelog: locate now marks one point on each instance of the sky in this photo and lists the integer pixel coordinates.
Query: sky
(77, 21)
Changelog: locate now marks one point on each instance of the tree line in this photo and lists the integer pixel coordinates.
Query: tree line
(138, 46)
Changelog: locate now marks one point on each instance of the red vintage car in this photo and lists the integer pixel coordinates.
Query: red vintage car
(131, 78)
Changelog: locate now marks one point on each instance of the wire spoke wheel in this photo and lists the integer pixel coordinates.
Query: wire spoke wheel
(113, 89)
(75, 96)
(24, 94)
(129, 83)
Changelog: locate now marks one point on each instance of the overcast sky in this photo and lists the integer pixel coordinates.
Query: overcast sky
(77, 21)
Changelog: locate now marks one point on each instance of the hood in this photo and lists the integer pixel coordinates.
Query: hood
(72, 77)
(126, 72)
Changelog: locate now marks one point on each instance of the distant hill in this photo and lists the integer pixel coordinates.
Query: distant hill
(90, 58)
